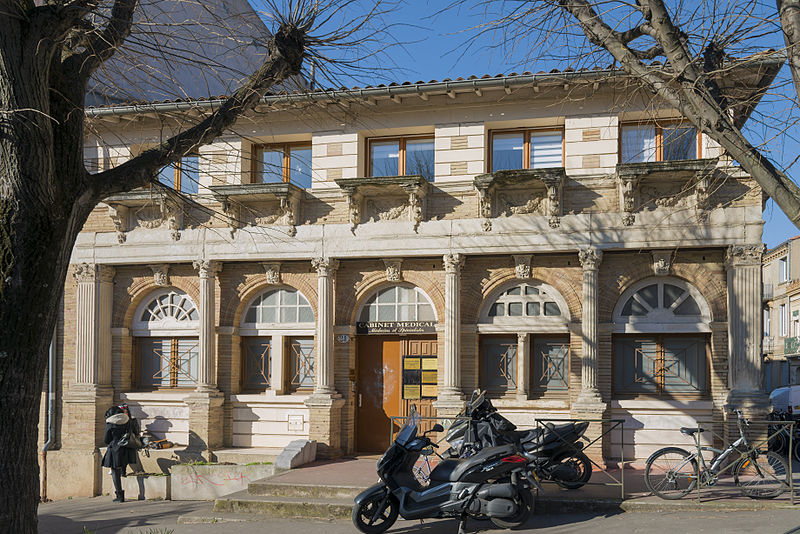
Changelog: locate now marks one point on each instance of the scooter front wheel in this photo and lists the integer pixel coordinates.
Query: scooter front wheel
(376, 514)
(524, 502)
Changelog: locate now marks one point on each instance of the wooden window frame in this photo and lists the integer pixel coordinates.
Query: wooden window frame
(401, 143)
(659, 137)
(286, 162)
(526, 144)
(660, 391)
(177, 174)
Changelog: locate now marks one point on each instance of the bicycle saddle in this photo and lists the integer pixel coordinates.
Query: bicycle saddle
(691, 431)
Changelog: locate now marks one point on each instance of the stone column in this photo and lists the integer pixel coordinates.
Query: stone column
(743, 264)
(205, 404)
(451, 380)
(523, 369)
(89, 394)
(324, 364)
(325, 405)
(590, 261)
(206, 365)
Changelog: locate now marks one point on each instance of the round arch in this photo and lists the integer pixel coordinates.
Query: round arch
(529, 306)
(659, 305)
(396, 301)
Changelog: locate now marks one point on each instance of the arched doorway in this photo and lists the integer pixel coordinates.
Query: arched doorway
(397, 361)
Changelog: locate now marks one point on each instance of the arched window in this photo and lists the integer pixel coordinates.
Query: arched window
(398, 303)
(165, 328)
(660, 342)
(534, 309)
(278, 342)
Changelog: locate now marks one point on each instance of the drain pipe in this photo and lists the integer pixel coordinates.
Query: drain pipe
(50, 434)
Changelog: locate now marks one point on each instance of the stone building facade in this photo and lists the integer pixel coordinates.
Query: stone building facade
(781, 321)
(542, 237)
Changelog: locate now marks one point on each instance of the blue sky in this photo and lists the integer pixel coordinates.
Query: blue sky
(434, 48)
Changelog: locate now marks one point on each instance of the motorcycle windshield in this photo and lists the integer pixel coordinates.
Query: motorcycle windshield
(409, 429)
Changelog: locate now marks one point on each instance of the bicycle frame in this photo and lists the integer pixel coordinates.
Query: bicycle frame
(720, 455)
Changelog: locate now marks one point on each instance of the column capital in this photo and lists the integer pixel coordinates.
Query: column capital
(590, 258)
(85, 272)
(453, 263)
(744, 255)
(325, 266)
(522, 337)
(207, 268)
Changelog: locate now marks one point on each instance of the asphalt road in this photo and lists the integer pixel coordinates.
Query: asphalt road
(100, 516)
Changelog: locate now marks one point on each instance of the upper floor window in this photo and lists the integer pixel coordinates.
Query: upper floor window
(641, 143)
(527, 149)
(288, 162)
(402, 156)
(183, 175)
(783, 269)
(782, 320)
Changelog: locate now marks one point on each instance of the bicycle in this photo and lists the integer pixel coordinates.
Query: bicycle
(672, 472)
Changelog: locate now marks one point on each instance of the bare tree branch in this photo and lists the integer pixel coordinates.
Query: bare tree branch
(789, 13)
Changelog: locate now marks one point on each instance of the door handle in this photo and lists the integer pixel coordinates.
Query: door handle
(359, 400)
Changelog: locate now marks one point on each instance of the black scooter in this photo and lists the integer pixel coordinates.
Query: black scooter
(554, 452)
(493, 484)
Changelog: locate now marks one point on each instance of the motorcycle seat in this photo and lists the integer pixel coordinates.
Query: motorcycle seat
(443, 470)
(522, 436)
(484, 455)
(552, 433)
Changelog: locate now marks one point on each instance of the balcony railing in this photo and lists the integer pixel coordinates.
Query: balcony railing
(791, 345)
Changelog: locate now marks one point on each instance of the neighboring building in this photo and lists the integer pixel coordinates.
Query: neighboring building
(781, 315)
(347, 254)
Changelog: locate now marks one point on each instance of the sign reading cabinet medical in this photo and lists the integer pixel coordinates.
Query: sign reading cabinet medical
(396, 327)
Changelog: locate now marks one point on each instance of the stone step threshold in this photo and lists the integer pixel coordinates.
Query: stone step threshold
(268, 487)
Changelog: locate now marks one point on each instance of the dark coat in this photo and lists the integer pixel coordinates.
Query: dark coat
(116, 456)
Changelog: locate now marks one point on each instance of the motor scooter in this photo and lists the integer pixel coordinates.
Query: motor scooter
(493, 484)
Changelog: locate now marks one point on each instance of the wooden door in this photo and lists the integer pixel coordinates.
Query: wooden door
(379, 395)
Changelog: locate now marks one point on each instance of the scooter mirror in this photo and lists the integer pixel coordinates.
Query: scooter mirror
(437, 428)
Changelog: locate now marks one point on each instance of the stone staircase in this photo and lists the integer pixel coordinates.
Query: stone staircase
(284, 499)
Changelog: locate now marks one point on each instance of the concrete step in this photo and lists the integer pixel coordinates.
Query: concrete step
(241, 455)
(288, 507)
(270, 488)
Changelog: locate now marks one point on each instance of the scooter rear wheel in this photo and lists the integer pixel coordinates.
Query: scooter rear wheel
(579, 467)
(365, 512)
(524, 502)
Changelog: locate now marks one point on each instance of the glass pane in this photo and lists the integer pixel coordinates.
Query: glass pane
(420, 158)
(268, 314)
(190, 175)
(515, 309)
(671, 294)
(301, 353)
(684, 364)
(507, 151)
(387, 313)
(633, 308)
(387, 295)
(270, 299)
(288, 315)
(497, 310)
(271, 166)
(638, 144)
(550, 364)
(636, 364)
(680, 142)
(688, 307)
(385, 158)
(166, 176)
(300, 166)
(251, 315)
(649, 295)
(257, 362)
(499, 363)
(513, 291)
(530, 290)
(534, 309)
(185, 368)
(405, 294)
(545, 150)
(551, 309)
(305, 315)
(425, 313)
(289, 297)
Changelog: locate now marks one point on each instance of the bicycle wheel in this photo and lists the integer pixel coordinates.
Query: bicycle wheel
(762, 475)
(779, 442)
(796, 452)
(671, 473)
